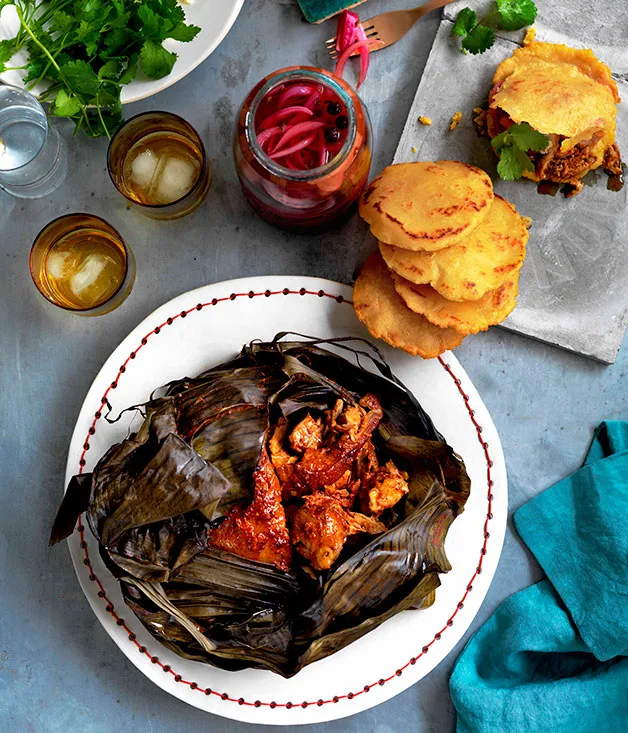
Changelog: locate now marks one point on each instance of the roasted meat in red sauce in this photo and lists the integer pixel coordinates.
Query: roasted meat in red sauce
(322, 467)
(307, 483)
(321, 526)
(308, 434)
(388, 486)
(279, 456)
(259, 531)
(612, 161)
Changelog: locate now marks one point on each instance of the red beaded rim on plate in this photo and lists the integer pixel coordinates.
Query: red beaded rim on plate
(109, 607)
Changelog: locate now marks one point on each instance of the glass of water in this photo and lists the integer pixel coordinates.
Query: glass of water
(33, 158)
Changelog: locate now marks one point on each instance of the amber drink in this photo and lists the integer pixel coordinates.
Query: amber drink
(79, 262)
(157, 161)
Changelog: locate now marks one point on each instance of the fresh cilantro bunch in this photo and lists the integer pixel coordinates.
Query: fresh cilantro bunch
(86, 50)
(513, 145)
(478, 36)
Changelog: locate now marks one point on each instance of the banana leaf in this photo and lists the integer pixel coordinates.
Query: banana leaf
(153, 498)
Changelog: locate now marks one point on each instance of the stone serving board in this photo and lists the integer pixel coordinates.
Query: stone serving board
(573, 289)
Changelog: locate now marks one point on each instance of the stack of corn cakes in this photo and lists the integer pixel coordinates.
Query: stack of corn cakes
(450, 252)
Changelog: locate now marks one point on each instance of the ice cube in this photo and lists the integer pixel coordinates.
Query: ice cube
(57, 264)
(176, 176)
(143, 169)
(88, 276)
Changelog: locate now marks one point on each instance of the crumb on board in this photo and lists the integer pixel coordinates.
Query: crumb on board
(414, 150)
(527, 221)
(425, 120)
(455, 119)
(529, 36)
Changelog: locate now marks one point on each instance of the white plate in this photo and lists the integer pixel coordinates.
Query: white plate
(218, 320)
(214, 17)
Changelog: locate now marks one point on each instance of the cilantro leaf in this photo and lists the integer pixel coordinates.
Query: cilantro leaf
(131, 69)
(121, 21)
(516, 14)
(118, 39)
(66, 105)
(80, 78)
(110, 70)
(466, 20)
(512, 163)
(155, 61)
(112, 120)
(152, 24)
(62, 22)
(479, 40)
(167, 9)
(7, 49)
(527, 138)
(521, 135)
(34, 69)
(183, 32)
(512, 146)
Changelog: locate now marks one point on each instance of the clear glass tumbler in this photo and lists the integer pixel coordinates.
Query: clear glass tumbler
(33, 158)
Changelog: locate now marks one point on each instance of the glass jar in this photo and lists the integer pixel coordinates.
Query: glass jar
(304, 200)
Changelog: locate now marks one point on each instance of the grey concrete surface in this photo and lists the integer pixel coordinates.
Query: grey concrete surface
(59, 671)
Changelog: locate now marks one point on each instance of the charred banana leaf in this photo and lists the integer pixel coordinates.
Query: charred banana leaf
(152, 500)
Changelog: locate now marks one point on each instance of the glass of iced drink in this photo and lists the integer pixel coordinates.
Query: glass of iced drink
(157, 161)
(81, 263)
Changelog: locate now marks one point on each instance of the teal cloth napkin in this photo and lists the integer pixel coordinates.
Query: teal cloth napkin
(316, 11)
(554, 657)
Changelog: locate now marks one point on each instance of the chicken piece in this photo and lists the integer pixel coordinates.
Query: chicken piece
(279, 456)
(333, 414)
(344, 490)
(388, 487)
(361, 523)
(366, 464)
(324, 466)
(321, 526)
(259, 531)
(349, 420)
(307, 434)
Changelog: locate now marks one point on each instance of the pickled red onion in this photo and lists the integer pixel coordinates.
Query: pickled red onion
(297, 90)
(299, 160)
(360, 46)
(294, 148)
(282, 114)
(346, 33)
(349, 34)
(299, 129)
(321, 150)
(313, 98)
(265, 136)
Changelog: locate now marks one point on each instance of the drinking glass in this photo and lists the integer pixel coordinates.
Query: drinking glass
(157, 161)
(81, 263)
(33, 158)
